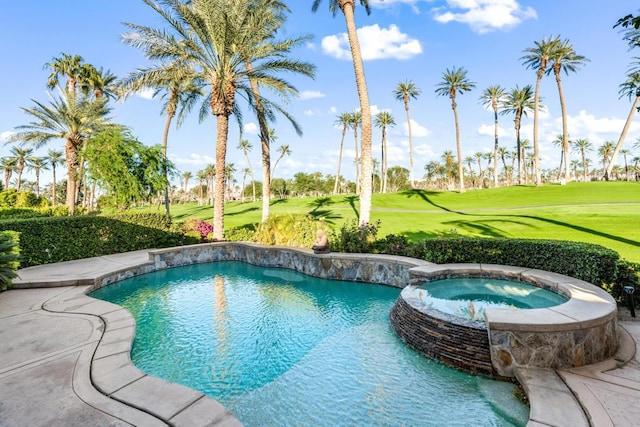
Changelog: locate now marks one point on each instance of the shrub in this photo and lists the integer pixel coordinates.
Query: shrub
(197, 228)
(9, 259)
(286, 230)
(356, 238)
(56, 239)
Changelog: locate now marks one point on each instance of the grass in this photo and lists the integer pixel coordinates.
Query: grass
(605, 213)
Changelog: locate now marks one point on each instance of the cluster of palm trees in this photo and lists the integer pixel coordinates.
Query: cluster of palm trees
(22, 158)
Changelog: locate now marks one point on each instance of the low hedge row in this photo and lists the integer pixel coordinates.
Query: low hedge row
(56, 239)
(589, 262)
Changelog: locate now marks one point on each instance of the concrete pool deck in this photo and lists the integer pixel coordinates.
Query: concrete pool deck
(58, 366)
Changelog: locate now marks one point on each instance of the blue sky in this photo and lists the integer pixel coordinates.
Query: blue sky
(400, 39)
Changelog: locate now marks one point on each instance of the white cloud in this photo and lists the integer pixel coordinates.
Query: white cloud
(194, 159)
(375, 43)
(395, 154)
(386, 4)
(4, 136)
(417, 130)
(146, 93)
(250, 128)
(311, 94)
(484, 16)
(489, 130)
(309, 113)
(333, 110)
(588, 123)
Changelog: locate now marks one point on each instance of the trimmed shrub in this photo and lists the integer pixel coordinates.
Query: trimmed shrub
(56, 239)
(9, 259)
(286, 230)
(354, 237)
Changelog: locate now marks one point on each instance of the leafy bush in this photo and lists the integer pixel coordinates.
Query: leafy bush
(56, 239)
(286, 230)
(354, 237)
(9, 259)
(13, 198)
(198, 228)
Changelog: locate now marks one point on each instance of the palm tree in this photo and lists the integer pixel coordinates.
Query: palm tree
(504, 153)
(493, 97)
(630, 88)
(8, 165)
(454, 82)
(606, 150)
(348, 10)
(174, 83)
(55, 158)
(102, 83)
(519, 102)
(344, 119)
(210, 174)
(218, 39)
(67, 65)
(186, 177)
(245, 172)
(22, 157)
(574, 167)
(583, 145)
(403, 92)
(284, 151)
(38, 164)
(564, 58)
(202, 178)
(384, 119)
(70, 117)
(625, 153)
(246, 146)
(537, 58)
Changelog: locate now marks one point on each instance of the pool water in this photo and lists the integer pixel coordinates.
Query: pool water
(468, 297)
(278, 347)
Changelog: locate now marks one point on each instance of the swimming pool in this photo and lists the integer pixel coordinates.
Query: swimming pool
(279, 347)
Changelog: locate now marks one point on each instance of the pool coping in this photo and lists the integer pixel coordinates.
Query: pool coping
(112, 372)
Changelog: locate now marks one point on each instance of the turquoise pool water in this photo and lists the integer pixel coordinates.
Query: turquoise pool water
(280, 348)
(468, 297)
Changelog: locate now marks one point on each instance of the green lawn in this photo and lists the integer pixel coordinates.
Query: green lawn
(606, 213)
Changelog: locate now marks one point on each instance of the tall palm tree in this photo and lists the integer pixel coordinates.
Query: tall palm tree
(38, 164)
(454, 82)
(504, 154)
(631, 89)
(8, 165)
(492, 97)
(583, 145)
(55, 158)
(537, 58)
(246, 146)
(625, 153)
(202, 178)
(218, 38)
(347, 7)
(403, 92)
(210, 173)
(67, 65)
(284, 150)
(564, 58)
(186, 177)
(102, 83)
(174, 83)
(23, 157)
(70, 117)
(245, 172)
(519, 102)
(344, 120)
(606, 151)
(382, 120)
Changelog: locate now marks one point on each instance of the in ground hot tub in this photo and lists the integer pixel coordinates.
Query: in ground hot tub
(578, 331)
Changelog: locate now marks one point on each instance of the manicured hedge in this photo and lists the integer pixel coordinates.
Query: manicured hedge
(591, 263)
(56, 239)
(9, 256)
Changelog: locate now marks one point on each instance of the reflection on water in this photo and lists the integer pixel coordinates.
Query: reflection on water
(278, 347)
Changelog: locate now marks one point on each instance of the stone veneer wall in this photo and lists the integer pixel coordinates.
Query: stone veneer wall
(449, 339)
(381, 269)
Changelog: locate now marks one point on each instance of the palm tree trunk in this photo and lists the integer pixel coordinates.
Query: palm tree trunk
(366, 186)
(335, 185)
(623, 135)
(222, 128)
(536, 151)
(495, 146)
(584, 166)
(165, 139)
(355, 137)
(53, 186)
(517, 121)
(71, 155)
(458, 147)
(565, 131)
(406, 109)
(383, 184)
